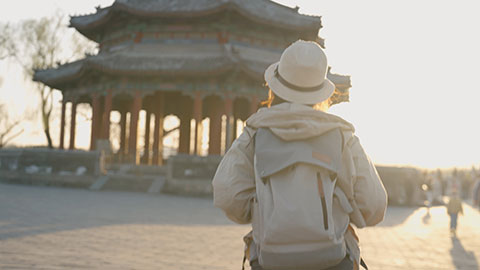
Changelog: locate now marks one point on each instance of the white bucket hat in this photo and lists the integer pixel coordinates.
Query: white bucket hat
(301, 74)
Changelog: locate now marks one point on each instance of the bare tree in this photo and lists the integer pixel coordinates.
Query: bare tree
(7, 46)
(43, 44)
(9, 128)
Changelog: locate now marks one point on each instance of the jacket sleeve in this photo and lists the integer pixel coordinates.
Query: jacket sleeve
(234, 181)
(369, 192)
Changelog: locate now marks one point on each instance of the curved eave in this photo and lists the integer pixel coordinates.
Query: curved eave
(73, 72)
(299, 22)
(54, 77)
(342, 82)
(145, 66)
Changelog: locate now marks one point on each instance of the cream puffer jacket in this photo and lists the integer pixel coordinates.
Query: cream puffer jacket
(234, 181)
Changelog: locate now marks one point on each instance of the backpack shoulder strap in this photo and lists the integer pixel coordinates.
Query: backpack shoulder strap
(251, 133)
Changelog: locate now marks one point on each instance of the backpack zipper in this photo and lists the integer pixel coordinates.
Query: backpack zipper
(321, 192)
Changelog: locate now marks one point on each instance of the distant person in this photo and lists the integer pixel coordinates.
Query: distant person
(427, 187)
(454, 184)
(454, 207)
(299, 174)
(436, 188)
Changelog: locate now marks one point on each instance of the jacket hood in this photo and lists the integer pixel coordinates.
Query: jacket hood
(291, 121)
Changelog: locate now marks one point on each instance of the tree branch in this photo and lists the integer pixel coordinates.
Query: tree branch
(166, 132)
(10, 127)
(4, 142)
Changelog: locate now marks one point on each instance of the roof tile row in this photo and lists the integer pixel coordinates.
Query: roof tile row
(260, 10)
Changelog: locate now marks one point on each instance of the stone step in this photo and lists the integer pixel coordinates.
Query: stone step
(157, 184)
(101, 181)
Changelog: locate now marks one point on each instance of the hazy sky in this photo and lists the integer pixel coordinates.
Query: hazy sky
(413, 63)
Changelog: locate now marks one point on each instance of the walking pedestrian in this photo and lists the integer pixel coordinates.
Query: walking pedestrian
(454, 184)
(437, 188)
(454, 207)
(299, 174)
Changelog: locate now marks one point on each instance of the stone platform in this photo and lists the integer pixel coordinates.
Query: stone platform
(60, 228)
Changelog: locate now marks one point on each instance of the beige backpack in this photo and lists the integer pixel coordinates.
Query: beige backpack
(300, 215)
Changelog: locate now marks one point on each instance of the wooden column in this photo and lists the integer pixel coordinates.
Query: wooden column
(73, 124)
(253, 105)
(146, 151)
(95, 120)
(230, 126)
(214, 142)
(158, 131)
(184, 140)
(123, 131)
(106, 116)
(197, 115)
(132, 142)
(62, 126)
(234, 129)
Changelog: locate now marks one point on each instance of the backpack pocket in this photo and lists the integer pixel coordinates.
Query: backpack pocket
(298, 221)
(292, 211)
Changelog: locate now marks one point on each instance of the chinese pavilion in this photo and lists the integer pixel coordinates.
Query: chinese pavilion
(190, 58)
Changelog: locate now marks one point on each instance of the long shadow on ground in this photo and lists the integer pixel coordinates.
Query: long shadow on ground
(29, 210)
(32, 210)
(462, 259)
(396, 215)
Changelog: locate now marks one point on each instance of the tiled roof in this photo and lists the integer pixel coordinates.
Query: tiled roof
(259, 10)
(174, 60)
(134, 65)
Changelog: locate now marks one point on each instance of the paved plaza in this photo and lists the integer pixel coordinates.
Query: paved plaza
(56, 228)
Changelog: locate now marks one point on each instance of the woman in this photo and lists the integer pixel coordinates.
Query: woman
(454, 207)
(298, 98)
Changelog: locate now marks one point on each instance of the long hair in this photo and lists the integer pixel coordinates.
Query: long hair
(275, 100)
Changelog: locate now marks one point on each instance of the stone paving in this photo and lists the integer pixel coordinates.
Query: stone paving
(55, 228)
